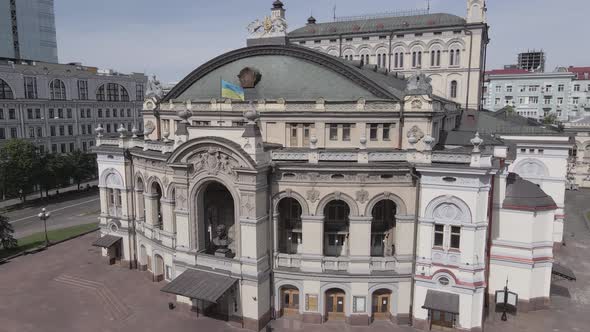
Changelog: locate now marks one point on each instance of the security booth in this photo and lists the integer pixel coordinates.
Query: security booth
(212, 294)
(112, 245)
(443, 309)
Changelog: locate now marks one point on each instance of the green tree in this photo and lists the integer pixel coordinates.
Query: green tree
(83, 166)
(550, 118)
(19, 159)
(6, 231)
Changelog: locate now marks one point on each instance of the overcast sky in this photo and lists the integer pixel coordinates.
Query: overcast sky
(173, 37)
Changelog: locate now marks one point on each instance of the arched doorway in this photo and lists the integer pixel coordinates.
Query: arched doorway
(336, 228)
(383, 228)
(157, 205)
(217, 221)
(335, 304)
(289, 301)
(381, 304)
(158, 268)
(290, 229)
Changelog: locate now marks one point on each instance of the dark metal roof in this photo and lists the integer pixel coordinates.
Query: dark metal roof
(441, 301)
(200, 285)
(375, 25)
(563, 271)
(106, 241)
(526, 196)
(504, 121)
(291, 72)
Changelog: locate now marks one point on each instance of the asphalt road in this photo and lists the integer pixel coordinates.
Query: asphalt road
(83, 209)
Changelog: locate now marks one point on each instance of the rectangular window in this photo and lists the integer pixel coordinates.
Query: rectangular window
(386, 132)
(39, 132)
(547, 100)
(317, 41)
(70, 130)
(52, 130)
(31, 132)
(439, 232)
(333, 132)
(522, 88)
(498, 88)
(128, 113)
(548, 88)
(346, 132)
(100, 113)
(533, 88)
(82, 114)
(11, 114)
(60, 113)
(89, 129)
(497, 101)
(29, 113)
(122, 113)
(2, 134)
(509, 88)
(560, 88)
(37, 113)
(373, 128)
(72, 147)
(306, 134)
(83, 130)
(62, 147)
(62, 131)
(294, 140)
(559, 100)
(1, 114)
(108, 113)
(455, 237)
(88, 113)
(51, 113)
(577, 88)
(83, 90)
(54, 148)
(13, 133)
(575, 100)
(84, 146)
(114, 113)
(533, 100)
(30, 88)
(69, 113)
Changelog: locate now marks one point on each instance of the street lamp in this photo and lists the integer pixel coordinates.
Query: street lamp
(44, 215)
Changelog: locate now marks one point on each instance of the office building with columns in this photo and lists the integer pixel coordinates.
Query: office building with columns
(332, 192)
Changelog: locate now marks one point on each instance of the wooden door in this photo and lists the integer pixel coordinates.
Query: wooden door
(381, 306)
(290, 305)
(335, 306)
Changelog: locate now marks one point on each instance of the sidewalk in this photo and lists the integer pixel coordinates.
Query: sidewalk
(52, 192)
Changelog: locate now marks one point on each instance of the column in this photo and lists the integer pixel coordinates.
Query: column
(139, 205)
(104, 199)
(359, 244)
(313, 243)
(275, 235)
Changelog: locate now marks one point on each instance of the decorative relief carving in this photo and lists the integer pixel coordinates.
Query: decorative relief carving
(313, 195)
(362, 196)
(214, 162)
(248, 204)
(416, 132)
(149, 127)
(288, 192)
(416, 104)
(448, 212)
(180, 199)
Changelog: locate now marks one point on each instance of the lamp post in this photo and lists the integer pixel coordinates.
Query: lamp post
(44, 215)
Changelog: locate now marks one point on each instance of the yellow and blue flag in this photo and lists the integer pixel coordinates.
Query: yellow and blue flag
(231, 91)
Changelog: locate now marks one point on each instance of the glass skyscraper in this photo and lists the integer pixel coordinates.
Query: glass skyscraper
(27, 30)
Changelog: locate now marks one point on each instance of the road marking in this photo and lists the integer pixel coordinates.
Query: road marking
(62, 208)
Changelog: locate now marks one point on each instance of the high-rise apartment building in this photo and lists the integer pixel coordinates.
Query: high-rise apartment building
(27, 30)
(532, 61)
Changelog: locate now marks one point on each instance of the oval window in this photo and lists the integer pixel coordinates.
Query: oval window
(387, 176)
(449, 179)
(444, 281)
(337, 177)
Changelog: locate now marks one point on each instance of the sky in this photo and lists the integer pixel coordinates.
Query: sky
(171, 38)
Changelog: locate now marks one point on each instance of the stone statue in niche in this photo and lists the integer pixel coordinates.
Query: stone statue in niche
(221, 242)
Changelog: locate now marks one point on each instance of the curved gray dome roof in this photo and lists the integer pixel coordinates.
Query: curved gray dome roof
(526, 196)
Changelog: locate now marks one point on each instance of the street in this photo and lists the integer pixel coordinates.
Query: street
(84, 209)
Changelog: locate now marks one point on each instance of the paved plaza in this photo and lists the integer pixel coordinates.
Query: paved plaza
(69, 287)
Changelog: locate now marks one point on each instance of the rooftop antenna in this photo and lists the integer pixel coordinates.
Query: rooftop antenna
(334, 13)
(428, 6)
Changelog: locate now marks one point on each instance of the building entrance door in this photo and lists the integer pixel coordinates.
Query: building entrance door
(441, 321)
(381, 306)
(290, 305)
(335, 305)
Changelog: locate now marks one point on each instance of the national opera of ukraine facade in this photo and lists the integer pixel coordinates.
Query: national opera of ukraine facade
(335, 191)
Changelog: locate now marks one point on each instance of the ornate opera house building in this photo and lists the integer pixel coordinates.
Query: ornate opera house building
(335, 191)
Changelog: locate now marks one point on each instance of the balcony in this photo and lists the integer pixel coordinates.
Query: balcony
(335, 263)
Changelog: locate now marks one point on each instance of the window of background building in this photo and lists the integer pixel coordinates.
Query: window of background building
(548, 88)
(63, 148)
(39, 132)
(122, 113)
(31, 132)
(29, 113)
(83, 90)
(37, 113)
(70, 130)
(128, 113)
(577, 87)
(13, 133)
(575, 100)
(30, 87)
(60, 113)
(559, 101)
(2, 134)
(346, 132)
(51, 113)
(52, 130)
(54, 148)
(11, 114)
(82, 113)
(72, 147)
(333, 132)
(560, 88)
(89, 129)
(69, 113)
(84, 146)
(100, 113)
(509, 88)
(57, 90)
(533, 100)
(5, 90)
(498, 88)
(62, 131)
(88, 113)
(1, 114)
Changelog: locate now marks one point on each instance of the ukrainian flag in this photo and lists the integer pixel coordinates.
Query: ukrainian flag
(231, 91)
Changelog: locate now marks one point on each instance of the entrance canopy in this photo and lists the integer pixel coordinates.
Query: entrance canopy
(106, 241)
(200, 285)
(562, 271)
(441, 302)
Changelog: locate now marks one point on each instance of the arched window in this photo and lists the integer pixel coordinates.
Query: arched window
(455, 57)
(381, 58)
(398, 59)
(5, 91)
(454, 89)
(416, 59)
(57, 90)
(365, 59)
(112, 92)
(435, 58)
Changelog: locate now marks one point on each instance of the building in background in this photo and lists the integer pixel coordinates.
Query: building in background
(563, 93)
(532, 61)
(579, 165)
(27, 30)
(447, 48)
(58, 106)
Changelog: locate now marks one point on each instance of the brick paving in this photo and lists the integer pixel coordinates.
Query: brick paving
(69, 287)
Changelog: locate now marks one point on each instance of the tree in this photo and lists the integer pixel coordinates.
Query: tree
(6, 231)
(19, 159)
(83, 166)
(550, 118)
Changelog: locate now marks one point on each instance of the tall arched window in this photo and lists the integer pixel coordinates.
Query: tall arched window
(382, 58)
(454, 89)
(455, 57)
(416, 59)
(365, 59)
(5, 91)
(57, 90)
(398, 59)
(112, 92)
(435, 58)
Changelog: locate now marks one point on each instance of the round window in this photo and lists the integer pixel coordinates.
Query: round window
(443, 281)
